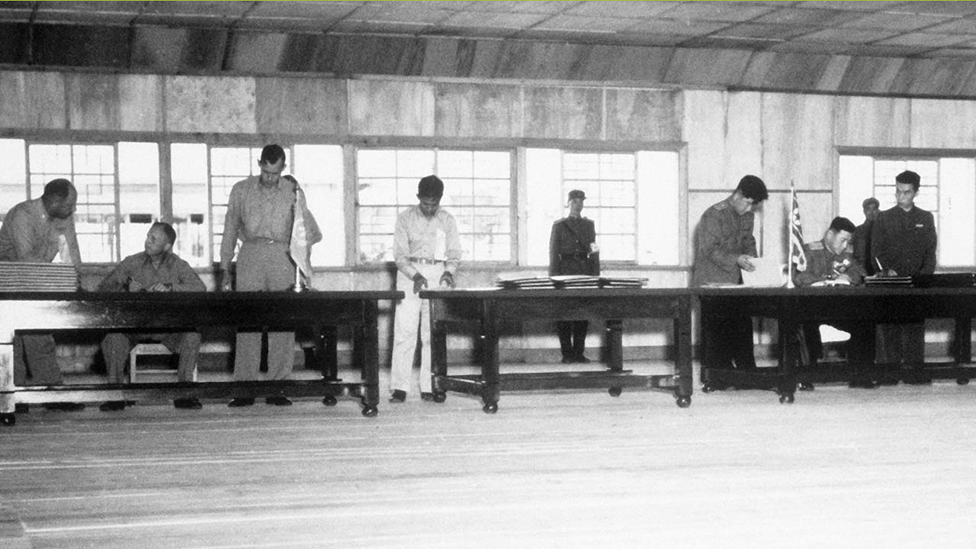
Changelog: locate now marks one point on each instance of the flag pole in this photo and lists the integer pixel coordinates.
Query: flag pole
(789, 254)
(295, 219)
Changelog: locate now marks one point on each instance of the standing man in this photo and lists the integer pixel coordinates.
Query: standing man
(903, 243)
(724, 245)
(426, 246)
(37, 231)
(573, 251)
(259, 214)
(829, 262)
(862, 236)
(155, 269)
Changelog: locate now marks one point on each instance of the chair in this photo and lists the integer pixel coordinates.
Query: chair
(150, 349)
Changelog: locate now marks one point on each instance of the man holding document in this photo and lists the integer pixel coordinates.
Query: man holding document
(724, 247)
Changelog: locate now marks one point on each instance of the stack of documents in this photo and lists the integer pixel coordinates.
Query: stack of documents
(576, 281)
(622, 282)
(38, 277)
(525, 283)
(888, 280)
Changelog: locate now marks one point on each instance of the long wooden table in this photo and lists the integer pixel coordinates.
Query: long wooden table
(486, 309)
(41, 312)
(870, 305)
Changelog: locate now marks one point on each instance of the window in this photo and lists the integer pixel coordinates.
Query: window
(203, 177)
(477, 192)
(632, 199)
(947, 190)
(118, 192)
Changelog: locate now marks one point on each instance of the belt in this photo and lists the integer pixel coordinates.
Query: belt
(424, 260)
(573, 256)
(262, 240)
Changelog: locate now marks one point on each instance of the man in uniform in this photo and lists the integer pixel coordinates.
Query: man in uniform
(862, 236)
(156, 269)
(573, 251)
(426, 246)
(829, 262)
(37, 231)
(903, 243)
(259, 213)
(724, 244)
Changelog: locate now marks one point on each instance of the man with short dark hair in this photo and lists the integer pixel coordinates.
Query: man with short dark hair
(260, 214)
(426, 246)
(903, 243)
(861, 241)
(573, 251)
(155, 269)
(829, 262)
(38, 231)
(724, 245)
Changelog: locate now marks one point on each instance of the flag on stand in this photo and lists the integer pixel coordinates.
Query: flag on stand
(797, 256)
(298, 247)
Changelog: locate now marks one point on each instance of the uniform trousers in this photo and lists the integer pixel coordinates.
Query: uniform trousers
(412, 314)
(725, 340)
(264, 267)
(116, 347)
(902, 343)
(572, 337)
(41, 364)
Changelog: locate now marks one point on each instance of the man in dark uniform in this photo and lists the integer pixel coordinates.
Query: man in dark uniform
(829, 262)
(862, 236)
(573, 251)
(903, 243)
(724, 244)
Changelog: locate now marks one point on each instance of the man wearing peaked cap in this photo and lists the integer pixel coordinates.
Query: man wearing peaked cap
(573, 251)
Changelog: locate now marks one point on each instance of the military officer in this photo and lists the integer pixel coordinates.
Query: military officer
(573, 251)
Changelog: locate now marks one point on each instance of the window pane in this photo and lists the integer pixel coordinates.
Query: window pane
(319, 170)
(138, 193)
(13, 174)
(190, 202)
(957, 192)
(658, 207)
(611, 199)
(545, 201)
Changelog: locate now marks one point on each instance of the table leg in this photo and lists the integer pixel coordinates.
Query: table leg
(684, 372)
(438, 358)
(615, 340)
(964, 346)
(489, 368)
(7, 384)
(367, 340)
(790, 355)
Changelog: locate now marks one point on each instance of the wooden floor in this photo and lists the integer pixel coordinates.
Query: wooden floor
(892, 467)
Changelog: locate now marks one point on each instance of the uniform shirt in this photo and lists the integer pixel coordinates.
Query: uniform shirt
(861, 242)
(569, 248)
(29, 235)
(139, 267)
(905, 241)
(436, 238)
(722, 237)
(255, 211)
(823, 264)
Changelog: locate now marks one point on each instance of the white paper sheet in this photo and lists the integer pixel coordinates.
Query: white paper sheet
(769, 273)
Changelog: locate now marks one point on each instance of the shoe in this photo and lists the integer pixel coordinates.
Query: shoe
(805, 386)
(112, 406)
(398, 396)
(240, 402)
(69, 406)
(278, 401)
(187, 404)
(567, 359)
(427, 397)
(580, 359)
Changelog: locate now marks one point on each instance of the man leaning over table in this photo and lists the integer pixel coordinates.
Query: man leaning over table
(155, 269)
(426, 246)
(37, 231)
(830, 262)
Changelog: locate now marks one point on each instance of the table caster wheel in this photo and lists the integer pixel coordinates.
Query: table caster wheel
(707, 388)
(490, 408)
(440, 397)
(330, 400)
(786, 399)
(615, 391)
(805, 386)
(8, 419)
(963, 381)
(369, 411)
(684, 402)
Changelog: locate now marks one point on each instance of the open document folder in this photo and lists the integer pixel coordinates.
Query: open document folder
(769, 273)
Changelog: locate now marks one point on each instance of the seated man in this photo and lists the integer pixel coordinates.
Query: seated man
(156, 269)
(829, 262)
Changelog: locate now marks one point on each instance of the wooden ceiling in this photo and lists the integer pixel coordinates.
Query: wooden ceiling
(889, 29)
